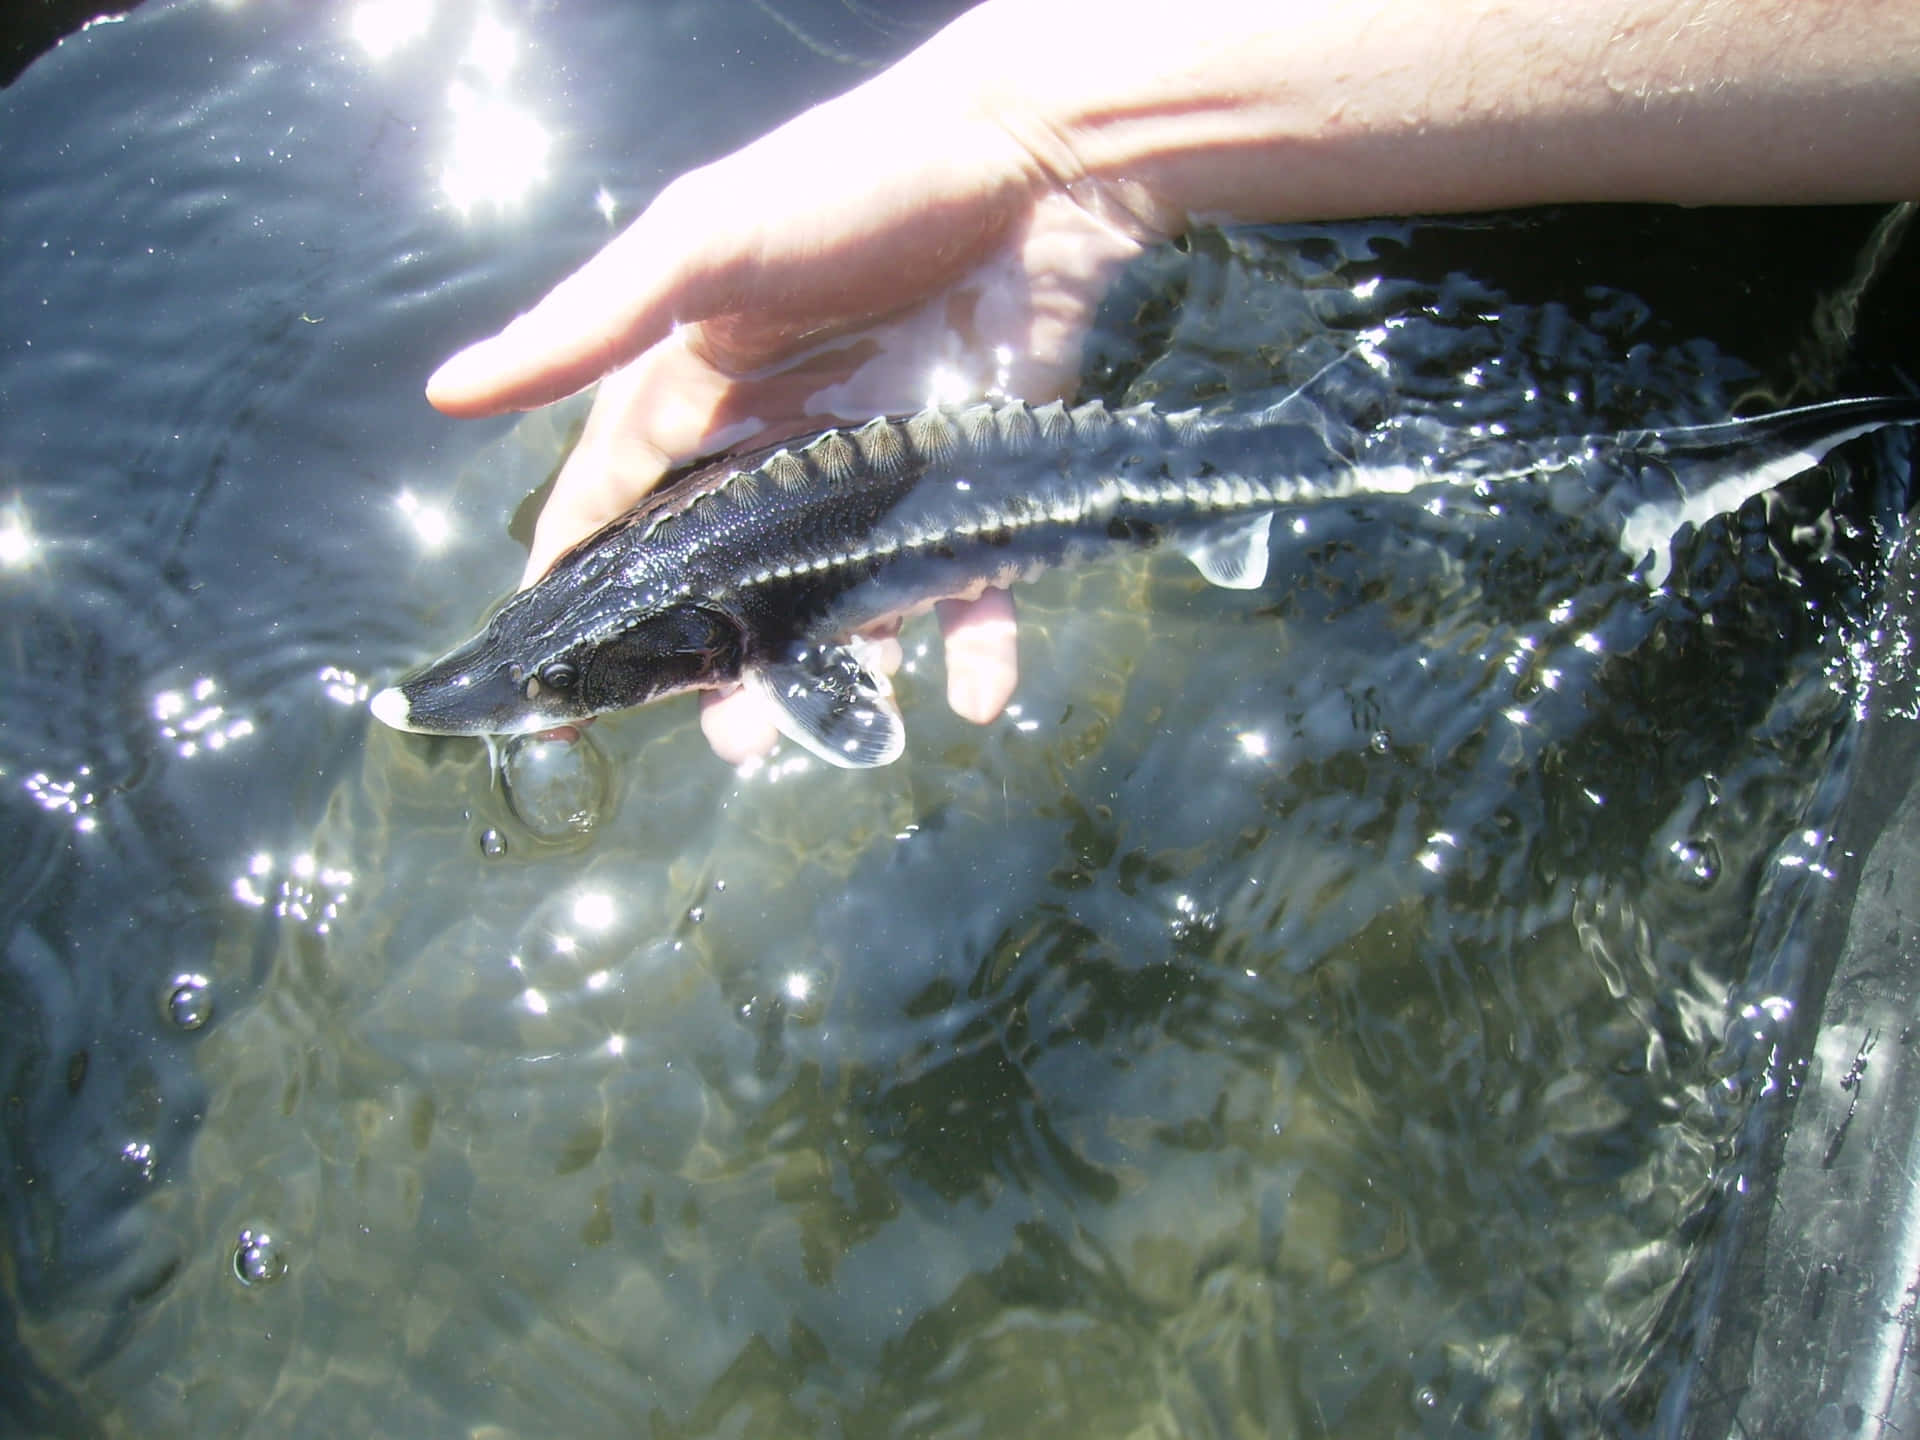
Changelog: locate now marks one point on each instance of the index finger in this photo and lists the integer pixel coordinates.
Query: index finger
(611, 309)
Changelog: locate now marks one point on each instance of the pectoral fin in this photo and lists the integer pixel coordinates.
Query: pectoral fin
(825, 699)
(1232, 555)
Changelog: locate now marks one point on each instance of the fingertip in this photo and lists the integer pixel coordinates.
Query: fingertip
(978, 693)
(462, 387)
(533, 362)
(983, 655)
(737, 725)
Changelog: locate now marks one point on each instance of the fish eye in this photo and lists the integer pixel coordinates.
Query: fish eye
(559, 676)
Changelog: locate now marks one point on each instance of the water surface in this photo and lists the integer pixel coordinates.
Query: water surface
(1326, 1011)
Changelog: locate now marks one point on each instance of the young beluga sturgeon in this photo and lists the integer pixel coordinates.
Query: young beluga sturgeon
(762, 566)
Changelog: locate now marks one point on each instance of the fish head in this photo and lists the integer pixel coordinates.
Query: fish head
(546, 659)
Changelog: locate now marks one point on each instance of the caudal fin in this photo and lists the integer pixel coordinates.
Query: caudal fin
(1690, 474)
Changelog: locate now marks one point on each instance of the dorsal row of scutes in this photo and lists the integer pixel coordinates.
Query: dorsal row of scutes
(988, 429)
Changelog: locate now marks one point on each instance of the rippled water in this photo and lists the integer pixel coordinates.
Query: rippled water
(1328, 1011)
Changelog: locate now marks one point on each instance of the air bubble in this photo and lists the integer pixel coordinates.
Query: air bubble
(1696, 862)
(559, 788)
(492, 844)
(1381, 742)
(188, 1001)
(258, 1259)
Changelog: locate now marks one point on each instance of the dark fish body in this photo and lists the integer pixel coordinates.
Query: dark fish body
(761, 566)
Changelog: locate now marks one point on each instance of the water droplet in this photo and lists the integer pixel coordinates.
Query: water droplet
(1696, 862)
(1381, 742)
(188, 1001)
(559, 788)
(492, 843)
(1426, 1398)
(258, 1259)
(696, 914)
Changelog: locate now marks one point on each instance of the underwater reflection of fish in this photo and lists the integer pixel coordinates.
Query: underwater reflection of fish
(764, 566)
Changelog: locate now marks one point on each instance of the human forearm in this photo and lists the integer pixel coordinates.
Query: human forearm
(1278, 111)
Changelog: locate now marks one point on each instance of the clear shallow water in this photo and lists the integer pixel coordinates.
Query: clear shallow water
(1307, 1015)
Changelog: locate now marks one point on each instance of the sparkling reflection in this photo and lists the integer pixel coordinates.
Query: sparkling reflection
(304, 890)
(430, 523)
(593, 911)
(499, 151)
(786, 762)
(19, 547)
(139, 1155)
(343, 687)
(1002, 373)
(75, 797)
(1430, 859)
(380, 27)
(492, 49)
(947, 386)
(804, 996)
(193, 720)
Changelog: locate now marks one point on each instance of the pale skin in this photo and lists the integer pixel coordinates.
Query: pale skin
(962, 213)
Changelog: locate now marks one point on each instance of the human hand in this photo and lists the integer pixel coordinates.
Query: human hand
(897, 246)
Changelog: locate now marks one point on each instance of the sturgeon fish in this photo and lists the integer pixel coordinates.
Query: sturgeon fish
(762, 566)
